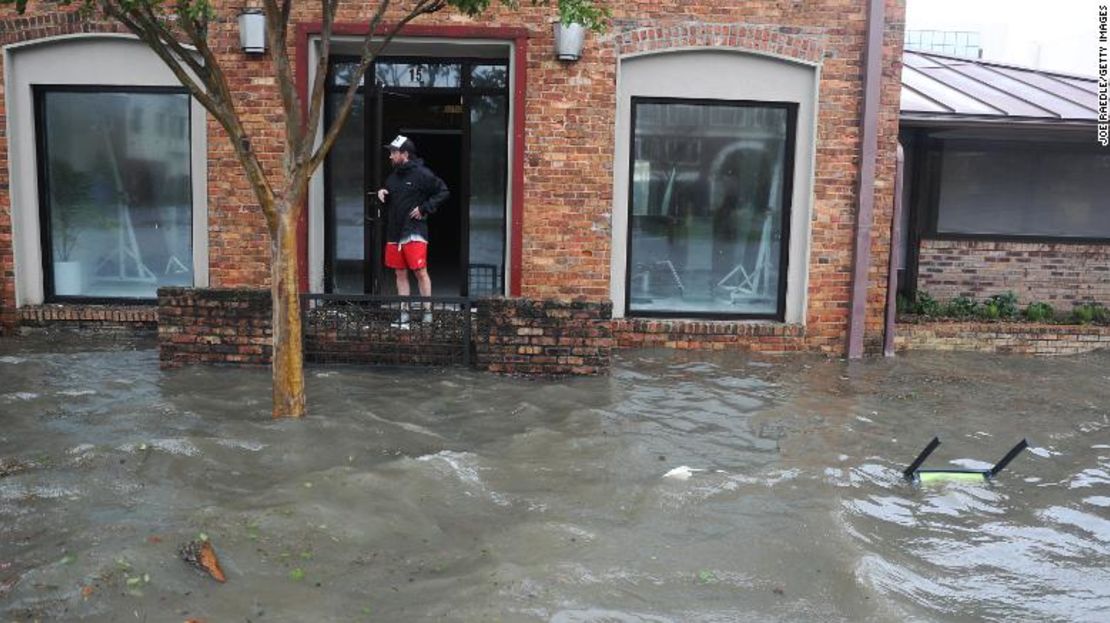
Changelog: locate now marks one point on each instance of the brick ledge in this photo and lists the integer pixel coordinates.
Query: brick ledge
(1026, 338)
(60, 313)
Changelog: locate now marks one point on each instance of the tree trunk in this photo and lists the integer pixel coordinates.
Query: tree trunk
(288, 353)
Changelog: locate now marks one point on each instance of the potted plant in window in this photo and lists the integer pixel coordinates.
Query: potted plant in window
(71, 212)
(575, 18)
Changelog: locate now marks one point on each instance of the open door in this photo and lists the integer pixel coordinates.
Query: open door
(456, 112)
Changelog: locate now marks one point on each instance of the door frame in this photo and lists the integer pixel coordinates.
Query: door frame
(517, 40)
(374, 137)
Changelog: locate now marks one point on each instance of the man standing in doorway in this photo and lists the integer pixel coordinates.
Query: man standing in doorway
(412, 193)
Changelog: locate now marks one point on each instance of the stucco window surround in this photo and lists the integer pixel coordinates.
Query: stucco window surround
(692, 71)
(83, 60)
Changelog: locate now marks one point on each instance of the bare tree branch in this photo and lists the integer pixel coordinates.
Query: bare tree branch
(169, 53)
(227, 115)
(276, 32)
(147, 18)
(370, 51)
(316, 95)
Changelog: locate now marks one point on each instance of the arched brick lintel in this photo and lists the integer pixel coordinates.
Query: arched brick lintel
(738, 37)
(49, 26)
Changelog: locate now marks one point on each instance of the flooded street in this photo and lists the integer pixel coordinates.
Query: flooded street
(685, 487)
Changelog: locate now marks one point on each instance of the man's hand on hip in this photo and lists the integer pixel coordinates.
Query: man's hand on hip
(382, 194)
(416, 213)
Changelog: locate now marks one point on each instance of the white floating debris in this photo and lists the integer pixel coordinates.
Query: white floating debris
(181, 447)
(682, 472)
(1044, 453)
(241, 444)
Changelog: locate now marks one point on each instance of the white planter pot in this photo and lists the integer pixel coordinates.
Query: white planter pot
(569, 39)
(69, 278)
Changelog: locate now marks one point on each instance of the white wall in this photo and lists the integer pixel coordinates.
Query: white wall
(105, 60)
(725, 75)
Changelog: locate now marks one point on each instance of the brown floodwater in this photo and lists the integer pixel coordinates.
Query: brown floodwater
(685, 488)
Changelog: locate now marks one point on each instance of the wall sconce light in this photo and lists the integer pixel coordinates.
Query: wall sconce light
(252, 31)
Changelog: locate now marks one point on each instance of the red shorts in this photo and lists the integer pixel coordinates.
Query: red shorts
(412, 255)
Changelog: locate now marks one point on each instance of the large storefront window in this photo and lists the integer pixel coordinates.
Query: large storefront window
(116, 194)
(709, 206)
(1023, 189)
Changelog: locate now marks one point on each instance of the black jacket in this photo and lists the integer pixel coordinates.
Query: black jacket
(410, 185)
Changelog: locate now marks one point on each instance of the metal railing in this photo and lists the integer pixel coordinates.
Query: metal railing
(386, 330)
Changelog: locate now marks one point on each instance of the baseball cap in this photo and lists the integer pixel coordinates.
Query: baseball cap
(402, 143)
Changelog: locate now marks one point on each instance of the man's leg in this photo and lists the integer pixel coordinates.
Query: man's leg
(402, 275)
(423, 281)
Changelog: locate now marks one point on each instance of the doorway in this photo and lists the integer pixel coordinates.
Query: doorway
(456, 112)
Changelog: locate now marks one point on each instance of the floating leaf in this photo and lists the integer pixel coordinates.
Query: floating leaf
(202, 555)
(296, 574)
(69, 559)
(706, 576)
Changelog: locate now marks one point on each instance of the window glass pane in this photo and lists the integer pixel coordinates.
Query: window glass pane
(425, 75)
(490, 77)
(1024, 189)
(118, 192)
(346, 166)
(342, 72)
(707, 208)
(488, 171)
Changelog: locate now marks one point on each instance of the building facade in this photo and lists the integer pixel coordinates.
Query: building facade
(1006, 185)
(699, 167)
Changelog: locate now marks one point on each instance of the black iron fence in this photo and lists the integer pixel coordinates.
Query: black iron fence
(386, 330)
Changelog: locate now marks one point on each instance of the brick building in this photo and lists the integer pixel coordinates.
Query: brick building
(700, 167)
(1007, 187)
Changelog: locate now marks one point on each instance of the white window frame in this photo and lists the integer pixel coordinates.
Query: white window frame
(699, 73)
(82, 60)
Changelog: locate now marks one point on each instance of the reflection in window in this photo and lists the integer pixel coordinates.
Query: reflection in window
(341, 74)
(488, 170)
(347, 228)
(118, 200)
(708, 202)
(1013, 188)
(419, 75)
(490, 77)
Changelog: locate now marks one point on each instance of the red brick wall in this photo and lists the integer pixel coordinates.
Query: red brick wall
(230, 326)
(1059, 274)
(570, 120)
(543, 338)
